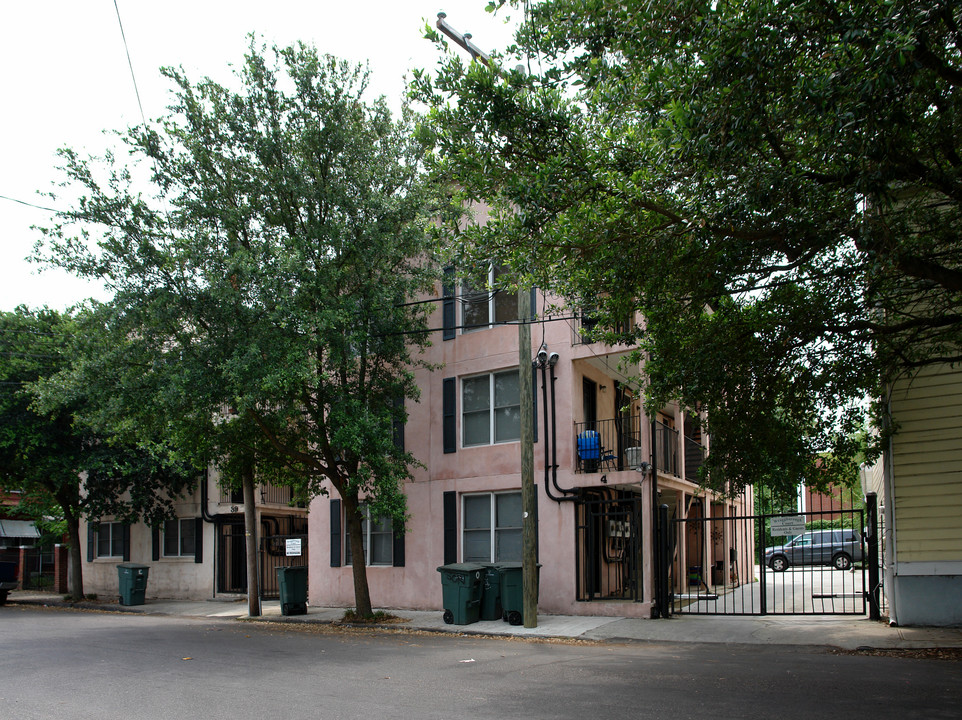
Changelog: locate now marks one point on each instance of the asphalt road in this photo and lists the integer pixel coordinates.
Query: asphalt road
(60, 664)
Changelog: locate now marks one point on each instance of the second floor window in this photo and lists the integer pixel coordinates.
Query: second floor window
(491, 409)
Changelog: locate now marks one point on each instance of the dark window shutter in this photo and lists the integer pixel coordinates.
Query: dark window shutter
(449, 421)
(126, 542)
(450, 508)
(199, 540)
(448, 314)
(90, 541)
(335, 533)
(155, 543)
(399, 549)
(534, 304)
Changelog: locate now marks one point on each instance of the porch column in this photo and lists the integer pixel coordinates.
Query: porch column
(60, 565)
(726, 543)
(706, 541)
(22, 571)
(683, 542)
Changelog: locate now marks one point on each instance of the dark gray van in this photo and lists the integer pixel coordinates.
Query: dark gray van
(838, 548)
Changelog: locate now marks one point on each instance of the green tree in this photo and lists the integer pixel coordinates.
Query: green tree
(775, 186)
(263, 287)
(58, 463)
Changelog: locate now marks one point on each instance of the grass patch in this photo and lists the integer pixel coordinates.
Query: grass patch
(377, 617)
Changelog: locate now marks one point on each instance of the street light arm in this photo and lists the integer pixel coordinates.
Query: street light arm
(464, 40)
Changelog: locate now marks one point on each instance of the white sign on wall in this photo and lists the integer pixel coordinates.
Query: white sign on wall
(293, 547)
(787, 525)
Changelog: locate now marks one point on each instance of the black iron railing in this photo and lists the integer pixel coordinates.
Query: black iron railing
(615, 444)
(694, 459)
(603, 445)
(666, 442)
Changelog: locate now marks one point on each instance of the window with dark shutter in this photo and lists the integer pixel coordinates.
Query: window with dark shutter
(449, 398)
(450, 510)
(335, 533)
(199, 540)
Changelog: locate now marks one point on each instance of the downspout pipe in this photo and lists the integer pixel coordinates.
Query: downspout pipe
(550, 466)
(204, 499)
(552, 361)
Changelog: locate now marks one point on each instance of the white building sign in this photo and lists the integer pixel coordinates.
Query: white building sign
(788, 525)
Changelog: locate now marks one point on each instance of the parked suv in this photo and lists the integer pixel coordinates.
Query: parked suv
(839, 548)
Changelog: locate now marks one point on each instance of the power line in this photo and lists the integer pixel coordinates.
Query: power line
(133, 77)
(28, 204)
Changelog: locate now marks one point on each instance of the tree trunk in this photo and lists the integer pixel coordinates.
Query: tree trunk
(250, 534)
(362, 594)
(76, 558)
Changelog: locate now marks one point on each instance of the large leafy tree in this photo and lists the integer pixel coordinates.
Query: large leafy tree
(264, 277)
(57, 462)
(776, 187)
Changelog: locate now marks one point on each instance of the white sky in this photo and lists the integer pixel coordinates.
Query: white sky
(66, 81)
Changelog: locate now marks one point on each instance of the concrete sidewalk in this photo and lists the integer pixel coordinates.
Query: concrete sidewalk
(845, 632)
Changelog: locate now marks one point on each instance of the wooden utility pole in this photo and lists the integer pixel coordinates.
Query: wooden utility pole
(250, 537)
(529, 527)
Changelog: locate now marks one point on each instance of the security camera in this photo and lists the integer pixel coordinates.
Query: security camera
(553, 359)
(542, 356)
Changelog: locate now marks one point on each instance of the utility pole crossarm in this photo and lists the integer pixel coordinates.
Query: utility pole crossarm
(464, 40)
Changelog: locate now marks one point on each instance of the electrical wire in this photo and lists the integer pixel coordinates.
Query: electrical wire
(28, 204)
(130, 63)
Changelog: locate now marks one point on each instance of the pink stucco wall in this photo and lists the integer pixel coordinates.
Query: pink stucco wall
(487, 468)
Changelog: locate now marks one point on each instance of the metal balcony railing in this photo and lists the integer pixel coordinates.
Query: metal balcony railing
(666, 445)
(608, 444)
(615, 444)
(694, 459)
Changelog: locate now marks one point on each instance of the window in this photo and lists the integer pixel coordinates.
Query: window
(110, 539)
(481, 309)
(378, 540)
(491, 527)
(179, 537)
(491, 409)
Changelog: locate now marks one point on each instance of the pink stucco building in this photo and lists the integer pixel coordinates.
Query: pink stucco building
(595, 540)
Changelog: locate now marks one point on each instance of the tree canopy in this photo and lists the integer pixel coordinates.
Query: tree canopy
(262, 278)
(774, 186)
(60, 464)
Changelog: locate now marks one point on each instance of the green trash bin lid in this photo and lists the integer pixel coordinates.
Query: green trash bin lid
(467, 567)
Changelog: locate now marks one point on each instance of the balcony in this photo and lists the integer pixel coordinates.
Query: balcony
(694, 459)
(615, 444)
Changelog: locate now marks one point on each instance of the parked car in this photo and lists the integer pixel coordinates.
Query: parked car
(838, 548)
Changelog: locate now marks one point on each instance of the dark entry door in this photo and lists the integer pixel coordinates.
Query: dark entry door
(231, 559)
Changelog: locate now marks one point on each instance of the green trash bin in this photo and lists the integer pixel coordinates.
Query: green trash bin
(292, 584)
(461, 588)
(491, 592)
(512, 591)
(133, 583)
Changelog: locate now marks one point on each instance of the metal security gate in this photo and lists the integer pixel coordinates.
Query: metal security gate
(815, 562)
(609, 543)
(279, 551)
(283, 544)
